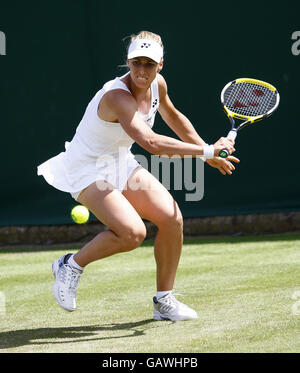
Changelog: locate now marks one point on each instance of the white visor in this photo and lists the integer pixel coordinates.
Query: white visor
(145, 48)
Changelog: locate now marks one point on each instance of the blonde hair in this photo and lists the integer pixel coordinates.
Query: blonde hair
(146, 35)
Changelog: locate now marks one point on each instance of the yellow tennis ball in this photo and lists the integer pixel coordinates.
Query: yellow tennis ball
(80, 214)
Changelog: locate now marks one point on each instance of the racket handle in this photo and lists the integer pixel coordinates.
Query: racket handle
(231, 135)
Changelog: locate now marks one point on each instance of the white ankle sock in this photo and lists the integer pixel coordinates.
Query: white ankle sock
(160, 294)
(73, 264)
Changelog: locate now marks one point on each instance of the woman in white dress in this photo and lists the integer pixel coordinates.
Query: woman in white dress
(100, 172)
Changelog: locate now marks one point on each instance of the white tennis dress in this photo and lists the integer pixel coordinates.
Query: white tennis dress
(99, 150)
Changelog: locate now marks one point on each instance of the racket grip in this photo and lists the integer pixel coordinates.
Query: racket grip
(231, 135)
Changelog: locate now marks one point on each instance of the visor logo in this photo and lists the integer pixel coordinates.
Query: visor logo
(145, 45)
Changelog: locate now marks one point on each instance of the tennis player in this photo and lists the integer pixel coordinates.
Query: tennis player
(99, 174)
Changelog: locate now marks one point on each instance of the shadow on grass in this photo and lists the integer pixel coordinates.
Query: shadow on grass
(43, 336)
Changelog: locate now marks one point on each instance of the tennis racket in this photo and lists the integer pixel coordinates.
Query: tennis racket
(249, 100)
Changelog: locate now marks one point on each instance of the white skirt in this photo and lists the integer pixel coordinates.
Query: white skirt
(73, 175)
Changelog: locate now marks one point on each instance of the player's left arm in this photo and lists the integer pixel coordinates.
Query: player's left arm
(178, 122)
(184, 129)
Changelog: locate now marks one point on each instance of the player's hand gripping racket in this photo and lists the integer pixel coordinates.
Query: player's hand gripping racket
(249, 100)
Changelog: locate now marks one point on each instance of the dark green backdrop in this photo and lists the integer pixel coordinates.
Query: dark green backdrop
(59, 53)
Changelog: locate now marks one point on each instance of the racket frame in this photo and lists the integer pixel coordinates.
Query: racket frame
(247, 119)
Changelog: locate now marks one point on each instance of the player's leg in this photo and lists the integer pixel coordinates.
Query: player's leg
(126, 228)
(153, 202)
(126, 232)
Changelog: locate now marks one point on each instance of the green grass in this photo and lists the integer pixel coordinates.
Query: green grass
(241, 287)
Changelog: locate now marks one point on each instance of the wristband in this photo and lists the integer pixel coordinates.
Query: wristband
(208, 151)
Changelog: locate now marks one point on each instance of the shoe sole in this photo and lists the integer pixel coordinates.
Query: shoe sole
(159, 317)
(54, 287)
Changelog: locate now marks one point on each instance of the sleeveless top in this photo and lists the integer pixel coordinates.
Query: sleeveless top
(99, 150)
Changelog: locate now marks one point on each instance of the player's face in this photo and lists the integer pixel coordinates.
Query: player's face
(143, 70)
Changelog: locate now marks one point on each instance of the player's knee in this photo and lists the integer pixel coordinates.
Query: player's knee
(133, 238)
(172, 221)
(177, 220)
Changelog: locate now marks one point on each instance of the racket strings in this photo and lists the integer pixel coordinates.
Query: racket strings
(249, 99)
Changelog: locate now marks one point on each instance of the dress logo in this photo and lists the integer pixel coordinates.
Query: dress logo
(154, 103)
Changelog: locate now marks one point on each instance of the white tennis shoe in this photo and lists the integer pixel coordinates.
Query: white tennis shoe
(66, 283)
(169, 308)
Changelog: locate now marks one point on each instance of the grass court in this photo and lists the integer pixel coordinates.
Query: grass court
(246, 291)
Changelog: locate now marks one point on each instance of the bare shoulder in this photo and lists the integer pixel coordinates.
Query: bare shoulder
(118, 97)
(161, 82)
(162, 86)
(115, 102)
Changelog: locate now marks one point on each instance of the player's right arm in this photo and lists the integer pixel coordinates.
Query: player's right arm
(122, 107)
